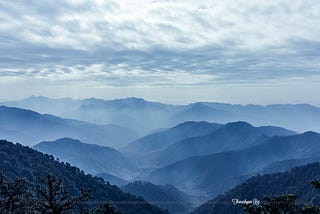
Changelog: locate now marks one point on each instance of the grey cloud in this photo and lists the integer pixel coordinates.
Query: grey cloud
(213, 48)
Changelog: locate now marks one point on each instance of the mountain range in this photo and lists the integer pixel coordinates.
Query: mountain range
(91, 158)
(133, 113)
(195, 139)
(144, 116)
(29, 127)
(216, 173)
(195, 149)
(143, 149)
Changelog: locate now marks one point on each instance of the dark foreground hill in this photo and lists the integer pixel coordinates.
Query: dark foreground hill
(166, 197)
(295, 181)
(20, 161)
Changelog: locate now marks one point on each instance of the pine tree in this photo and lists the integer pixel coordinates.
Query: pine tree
(55, 199)
(16, 196)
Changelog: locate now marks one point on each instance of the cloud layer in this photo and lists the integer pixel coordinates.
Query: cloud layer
(159, 42)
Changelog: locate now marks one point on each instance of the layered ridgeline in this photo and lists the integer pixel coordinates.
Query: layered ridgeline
(133, 113)
(144, 116)
(20, 161)
(91, 158)
(29, 127)
(295, 181)
(166, 197)
(143, 149)
(112, 179)
(215, 173)
(197, 139)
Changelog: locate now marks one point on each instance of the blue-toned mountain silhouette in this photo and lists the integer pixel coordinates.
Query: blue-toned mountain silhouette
(197, 138)
(167, 197)
(91, 158)
(29, 127)
(216, 173)
(145, 116)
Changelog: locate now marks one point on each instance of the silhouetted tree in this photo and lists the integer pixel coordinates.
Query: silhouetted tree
(16, 196)
(310, 209)
(55, 199)
(18, 161)
(316, 184)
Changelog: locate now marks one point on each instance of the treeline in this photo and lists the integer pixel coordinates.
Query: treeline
(295, 181)
(24, 165)
(285, 204)
(48, 195)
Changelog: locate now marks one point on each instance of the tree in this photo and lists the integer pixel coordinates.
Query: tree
(55, 199)
(310, 209)
(16, 196)
(284, 204)
(316, 184)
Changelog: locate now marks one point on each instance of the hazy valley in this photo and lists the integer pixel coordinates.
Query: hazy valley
(175, 157)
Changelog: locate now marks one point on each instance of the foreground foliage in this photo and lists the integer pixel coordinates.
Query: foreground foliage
(273, 185)
(22, 167)
(48, 195)
(285, 204)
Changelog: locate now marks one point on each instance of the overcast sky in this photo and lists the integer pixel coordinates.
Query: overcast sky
(176, 51)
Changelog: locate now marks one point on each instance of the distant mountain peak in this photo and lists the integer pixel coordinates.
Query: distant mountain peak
(310, 133)
(67, 141)
(36, 97)
(190, 123)
(239, 124)
(64, 140)
(199, 106)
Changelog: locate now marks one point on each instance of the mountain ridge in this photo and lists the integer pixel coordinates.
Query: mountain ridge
(127, 112)
(294, 181)
(21, 161)
(50, 127)
(91, 158)
(218, 172)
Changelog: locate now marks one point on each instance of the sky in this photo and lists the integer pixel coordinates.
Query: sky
(173, 51)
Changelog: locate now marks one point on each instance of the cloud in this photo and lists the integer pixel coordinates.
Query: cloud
(160, 43)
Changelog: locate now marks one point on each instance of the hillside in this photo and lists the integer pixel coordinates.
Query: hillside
(114, 180)
(201, 112)
(21, 161)
(214, 174)
(18, 124)
(295, 181)
(143, 147)
(228, 137)
(90, 158)
(166, 197)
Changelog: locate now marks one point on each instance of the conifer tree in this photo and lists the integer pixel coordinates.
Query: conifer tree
(55, 199)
